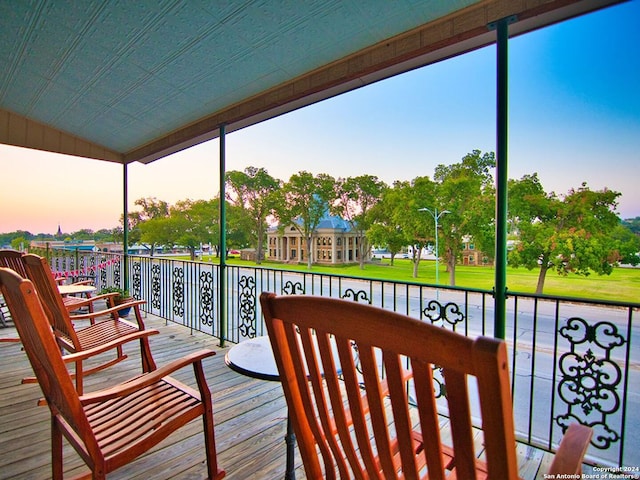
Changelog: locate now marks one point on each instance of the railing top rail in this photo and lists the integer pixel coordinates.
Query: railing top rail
(613, 303)
(594, 301)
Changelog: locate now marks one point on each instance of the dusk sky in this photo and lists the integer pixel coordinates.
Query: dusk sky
(574, 117)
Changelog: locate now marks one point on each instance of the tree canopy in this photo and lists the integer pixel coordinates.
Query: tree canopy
(569, 233)
(254, 191)
(304, 201)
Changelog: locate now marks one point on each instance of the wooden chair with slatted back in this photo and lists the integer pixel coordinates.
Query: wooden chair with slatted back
(13, 259)
(108, 428)
(105, 335)
(353, 421)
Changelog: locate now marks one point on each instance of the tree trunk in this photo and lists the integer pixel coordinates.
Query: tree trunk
(450, 264)
(451, 267)
(309, 254)
(362, 248)
(416, 261)
(259, 247)
(543, 274)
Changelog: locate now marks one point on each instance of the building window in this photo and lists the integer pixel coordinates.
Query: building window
(293, 253)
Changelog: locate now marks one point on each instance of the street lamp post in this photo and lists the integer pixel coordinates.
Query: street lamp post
(436, 216)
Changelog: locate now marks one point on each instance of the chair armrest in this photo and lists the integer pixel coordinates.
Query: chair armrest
(91, 352)
(570, 453)
(81, 302)
(106, 311)
(145, 379)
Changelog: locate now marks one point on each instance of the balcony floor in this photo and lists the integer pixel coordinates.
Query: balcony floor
(249, 414)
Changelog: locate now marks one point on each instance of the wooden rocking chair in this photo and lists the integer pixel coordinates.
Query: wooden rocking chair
(99, 337)
(13, 259)
(108, 428)
(353, 421)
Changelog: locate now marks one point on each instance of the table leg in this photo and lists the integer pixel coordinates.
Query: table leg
(290, 440)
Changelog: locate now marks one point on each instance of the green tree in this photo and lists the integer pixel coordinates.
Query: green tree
(384, 230)
(84, 234)
(465, 190)
(625, 246)
(355, 198)
(150, 207)
(19, 243)
(240, 228)
(570, 234)
(633, 224)
(405, 200)
(253, 190)
(157, 231)
(195, 222)
(304, 202)
(7, 238)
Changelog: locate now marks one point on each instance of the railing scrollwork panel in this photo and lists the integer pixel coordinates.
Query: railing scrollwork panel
(590, 380)
(156, 286)
(247, 306)
(356, 296)
(136, 276)
(178, 291)
(447, 314)
(292, 288)
(206, 298)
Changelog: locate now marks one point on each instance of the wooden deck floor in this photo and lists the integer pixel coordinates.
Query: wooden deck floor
(250, 419)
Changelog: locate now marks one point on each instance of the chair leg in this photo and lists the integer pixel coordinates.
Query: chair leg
(207, 421)
(56, 450)
(210, 447)
(148, 363)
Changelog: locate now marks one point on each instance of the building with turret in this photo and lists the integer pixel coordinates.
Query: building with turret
(333, 242)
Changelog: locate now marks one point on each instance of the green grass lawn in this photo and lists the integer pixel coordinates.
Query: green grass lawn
(622, 285)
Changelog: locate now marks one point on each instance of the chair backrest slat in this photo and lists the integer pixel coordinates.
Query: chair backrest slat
(363, 426)
(39, 272)
(13, 259)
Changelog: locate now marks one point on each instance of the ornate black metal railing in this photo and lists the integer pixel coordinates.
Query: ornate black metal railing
(572, 359)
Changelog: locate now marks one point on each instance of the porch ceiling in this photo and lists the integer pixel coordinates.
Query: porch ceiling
(135, 81)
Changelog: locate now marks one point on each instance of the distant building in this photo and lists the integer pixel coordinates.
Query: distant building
(471, 255)
(333, 242)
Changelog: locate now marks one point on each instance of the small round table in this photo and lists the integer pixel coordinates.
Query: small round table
(75, 289)
(254, 358)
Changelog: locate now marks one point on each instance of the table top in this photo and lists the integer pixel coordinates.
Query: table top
(253, 358)
(74, 289)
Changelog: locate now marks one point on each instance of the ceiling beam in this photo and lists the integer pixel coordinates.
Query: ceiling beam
(23, 132)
